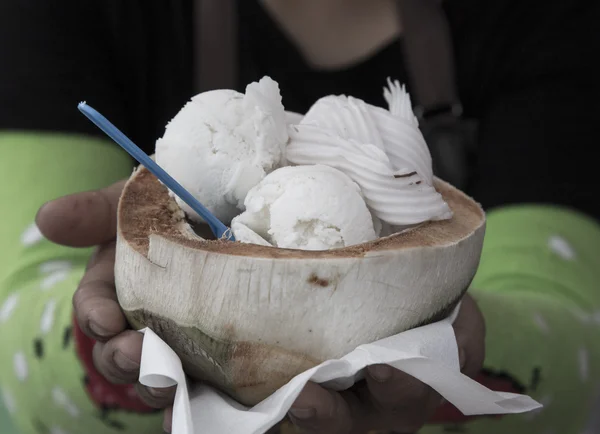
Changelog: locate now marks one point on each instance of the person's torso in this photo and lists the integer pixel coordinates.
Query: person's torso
(155, 43)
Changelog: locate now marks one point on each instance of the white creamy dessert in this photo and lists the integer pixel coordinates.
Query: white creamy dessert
(364, 171)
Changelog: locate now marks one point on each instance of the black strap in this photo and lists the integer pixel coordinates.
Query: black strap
(429, 53)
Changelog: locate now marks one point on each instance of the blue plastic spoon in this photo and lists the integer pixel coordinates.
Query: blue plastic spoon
(216, 226)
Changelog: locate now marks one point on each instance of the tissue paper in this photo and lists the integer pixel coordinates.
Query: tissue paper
(428, 353)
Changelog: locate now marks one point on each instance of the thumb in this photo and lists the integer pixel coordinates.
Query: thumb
(81, 219)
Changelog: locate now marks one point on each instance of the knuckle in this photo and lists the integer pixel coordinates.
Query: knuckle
(91, 293)
(106, 361)
(83, 305)
(99, 360)
(76, 300)
(156, 398)
(82, 310)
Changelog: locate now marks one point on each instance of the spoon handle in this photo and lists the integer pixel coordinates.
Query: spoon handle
(217, 227)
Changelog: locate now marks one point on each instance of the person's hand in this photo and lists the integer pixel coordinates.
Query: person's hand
(85, 220)
(388, 399)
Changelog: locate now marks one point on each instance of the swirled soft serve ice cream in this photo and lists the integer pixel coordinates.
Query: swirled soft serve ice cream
(383, 151)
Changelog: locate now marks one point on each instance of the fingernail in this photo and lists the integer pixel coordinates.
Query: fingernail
(303, 413)
(125, 363)
(97, 330)
(380, 373)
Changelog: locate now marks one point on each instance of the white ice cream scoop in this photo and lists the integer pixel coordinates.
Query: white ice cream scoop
(222, 143)
(305, 207)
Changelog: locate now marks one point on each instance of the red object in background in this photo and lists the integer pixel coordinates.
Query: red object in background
(103, 393)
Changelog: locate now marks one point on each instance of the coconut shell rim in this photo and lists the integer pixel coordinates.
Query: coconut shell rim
(146, 208)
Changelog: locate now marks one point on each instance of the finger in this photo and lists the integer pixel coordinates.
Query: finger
(469, 329)
(81, 219)
(168, 419)
(392, 389)
(118, 360)
(156, 398)
(95, 302)
(318, 410)
(404, 402)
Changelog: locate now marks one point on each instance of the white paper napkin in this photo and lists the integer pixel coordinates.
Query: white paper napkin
(428, 353)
